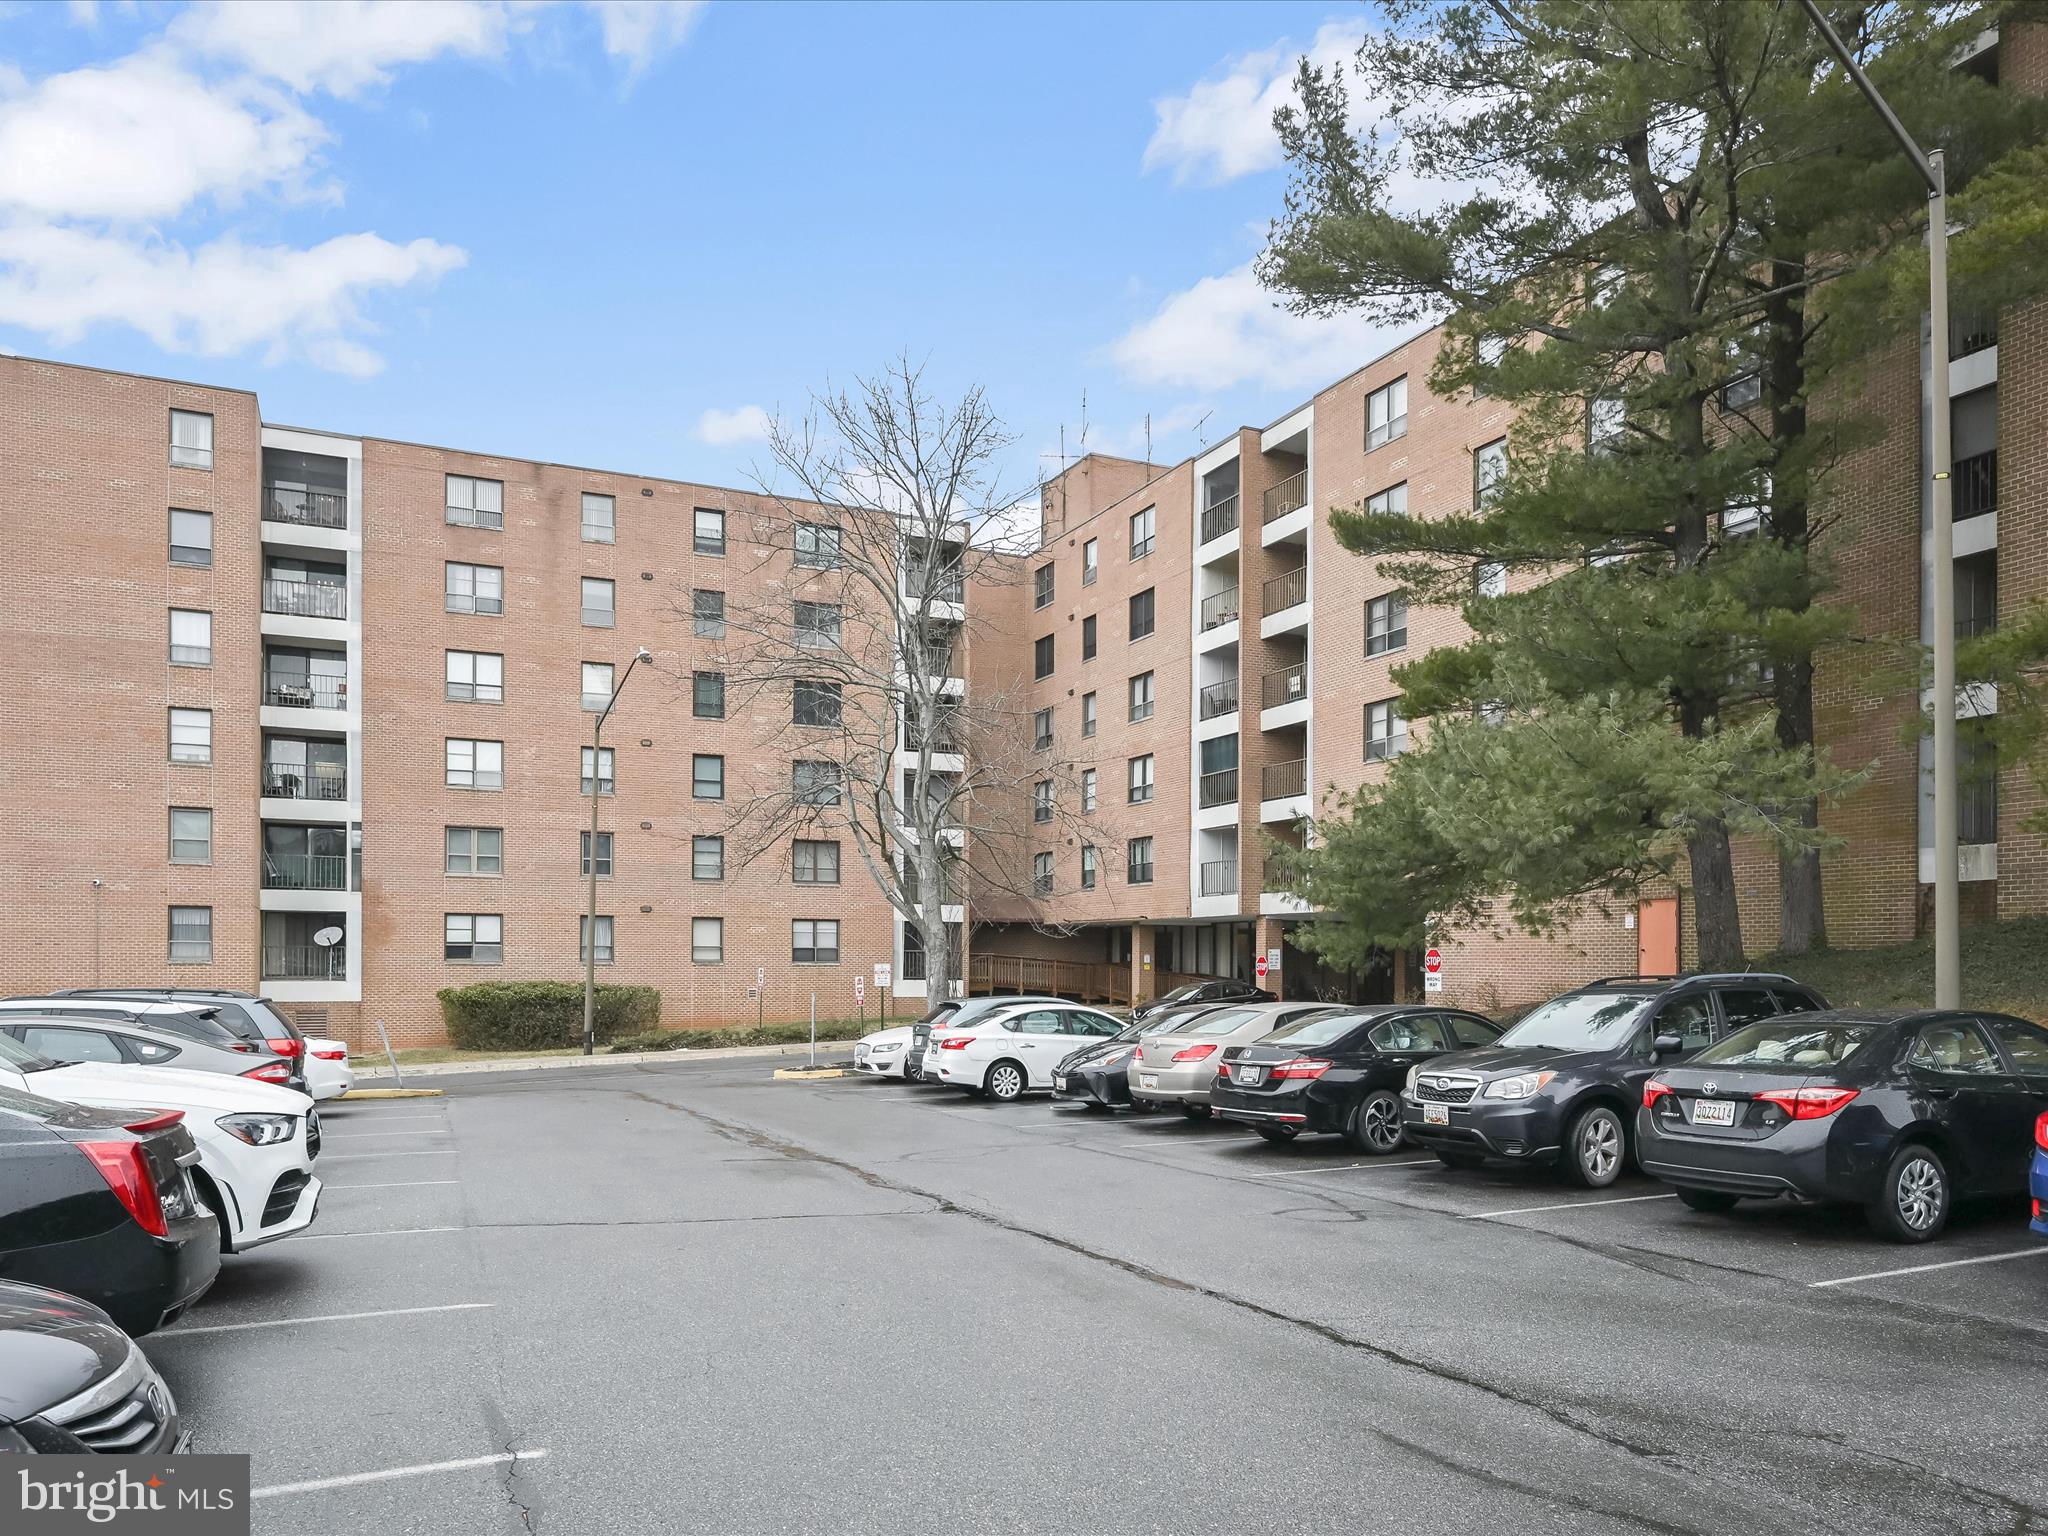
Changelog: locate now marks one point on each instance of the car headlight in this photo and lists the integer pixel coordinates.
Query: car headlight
(1525, 1086)
(884, 1048)
(259, 1130)
(1409, 1087)
(1115, 1058)
(10, 1440)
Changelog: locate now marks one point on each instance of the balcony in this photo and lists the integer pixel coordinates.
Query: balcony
(1974, 486)
(305, 599)
(1219, 518)
(296, 781)
(1218, 788)
(948, 584)
(1219, 608)
(1971, 332)
(1287, 591)
(306, 508)
(1280, 781)
(305, 872)
(300, 692)
(304, 962)
(1219, 699)
(1289, 685)
(1290, 495)
(1219, 877)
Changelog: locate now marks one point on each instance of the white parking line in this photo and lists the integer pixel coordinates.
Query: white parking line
(342, 1157)
(331, 1317)
(328, 1237)
(355, 1135)
(1921, 1269)
(355, 1478)
(1569, 1205)
(1295, 1173)
(401, 1184)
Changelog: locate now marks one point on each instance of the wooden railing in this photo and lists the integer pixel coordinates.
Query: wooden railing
(1087, 981)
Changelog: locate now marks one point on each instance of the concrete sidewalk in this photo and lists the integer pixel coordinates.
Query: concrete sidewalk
(369, 1070)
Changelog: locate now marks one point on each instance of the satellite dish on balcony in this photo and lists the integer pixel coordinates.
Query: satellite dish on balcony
(327, 938)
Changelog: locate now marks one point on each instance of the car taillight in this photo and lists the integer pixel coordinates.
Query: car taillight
(270, 1072)
(955, 1043)
(126, 1171)
(1653, 1091)
(244, 1047)
(287, 1046)
(2041, 1133)
(1300, 1066)
(1194, 1053)
(332, 1055)
(162, 1120)
(1809, 1103)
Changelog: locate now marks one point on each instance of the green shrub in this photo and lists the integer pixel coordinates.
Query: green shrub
(541, 1015)
(795, 1033)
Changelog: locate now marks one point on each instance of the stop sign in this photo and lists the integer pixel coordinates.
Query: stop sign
(1262, 967)
(1433, 961)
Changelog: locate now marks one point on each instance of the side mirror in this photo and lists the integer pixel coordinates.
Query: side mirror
(1667, 1045)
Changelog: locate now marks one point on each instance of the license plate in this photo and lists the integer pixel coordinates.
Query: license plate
(1713, 1112)
(1436, 1114)
(1249, 1076)
(1148, 1080)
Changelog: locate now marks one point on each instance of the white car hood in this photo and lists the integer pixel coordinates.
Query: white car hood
(886, 1036)
(126, 1087)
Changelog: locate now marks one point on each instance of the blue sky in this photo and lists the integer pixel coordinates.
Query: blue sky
(615, 234)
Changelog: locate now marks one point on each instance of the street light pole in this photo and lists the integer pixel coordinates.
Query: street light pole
(1948, 961)
(590, 910)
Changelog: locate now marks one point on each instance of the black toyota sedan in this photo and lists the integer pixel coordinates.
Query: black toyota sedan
(72, 1383)
(1340, 1072)
(1098, 1075)
(1900, 1113)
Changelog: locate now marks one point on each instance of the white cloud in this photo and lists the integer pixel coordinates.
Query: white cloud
(1226, 331)
(222, 298)
(1223, 127)
(637, 32)
(343, 47)
(746, 424)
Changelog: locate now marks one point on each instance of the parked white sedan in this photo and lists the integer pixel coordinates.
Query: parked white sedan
(885, 1053)
(328, 1074)
(1013, 1050)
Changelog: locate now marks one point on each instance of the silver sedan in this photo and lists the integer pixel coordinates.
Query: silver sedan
(1180, 1067)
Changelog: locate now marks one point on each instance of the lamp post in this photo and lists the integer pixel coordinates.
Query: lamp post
(1948, 962)
(590, 911)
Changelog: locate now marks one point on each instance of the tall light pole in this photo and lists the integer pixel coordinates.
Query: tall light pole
(590, 911)
(1948, 948)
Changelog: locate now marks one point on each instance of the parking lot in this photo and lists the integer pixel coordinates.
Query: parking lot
(690, 1297)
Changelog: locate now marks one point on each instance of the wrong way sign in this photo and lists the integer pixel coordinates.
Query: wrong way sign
(1433, 970)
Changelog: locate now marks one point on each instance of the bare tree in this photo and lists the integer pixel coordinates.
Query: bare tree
(887, 510)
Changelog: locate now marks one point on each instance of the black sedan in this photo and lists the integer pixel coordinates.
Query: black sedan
(72, 1383)
(1900, 1113)
(99, 1203)
(1206, 994)
(1340, 1072)
(1098, 1075)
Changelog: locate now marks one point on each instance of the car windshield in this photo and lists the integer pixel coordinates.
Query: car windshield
(1317, 1028)
(1177, 995)
(1133, 1031)
(1788, 1043)
(1581, 1021)
(18, 1056)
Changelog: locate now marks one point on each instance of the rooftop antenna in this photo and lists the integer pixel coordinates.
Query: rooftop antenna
(1148, 438)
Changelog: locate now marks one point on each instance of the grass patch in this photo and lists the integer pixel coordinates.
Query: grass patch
(2005, 969)
(747, 1034)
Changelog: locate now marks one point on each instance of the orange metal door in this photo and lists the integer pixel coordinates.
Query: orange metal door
(1657, 936)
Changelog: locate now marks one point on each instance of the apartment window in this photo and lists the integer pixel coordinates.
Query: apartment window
(1141, 779)
(816, 862)
(814, 941)
(1088, 638)
(478, 676)
(191, 537)
(1386, 733)
(1041, 801)
(191, 735)
(814, 783)
(597, 684)
(1142, 528)
(474, 503)
(475, 588)
(815, 703)
(817, 624)
(1489, 469)
(600, 519)
(191, 638)
(708, 537)
(1141, 697)
(191, 835)
(707, 940)
(1386, 414)
(1490, 579)
(707, 776)
(191, 936)
(707, 614)
(1386, 624)
(606, 784)
(599, 602)
(1747, 386)
(604, 941)
(707, 695)
(192, 447)
(1606, 421)
(1087, 714)
(475, 851)
(1087, 789)
(1041, 874)
(1138, 869)
(473, 938)
(817, 546)
(1144, 615)
(1041, 731)
(1087, 868)
(1041, 656)
(707, 858)
(1090, 561)
(475, 764)
(604, 855)
(1487, 352)
(1393, 500)
(1041, 586)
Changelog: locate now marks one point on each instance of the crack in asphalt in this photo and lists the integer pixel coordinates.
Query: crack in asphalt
(1491, 1479)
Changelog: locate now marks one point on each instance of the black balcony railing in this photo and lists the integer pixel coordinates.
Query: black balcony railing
(1289, 685)
(1219, 788)
(304, 962)
(1287, 590)
(306, 692)
(1219, 698)
(1219, 877)
(1974, 490)
(291, 782)
(309, 509)
(1290, 495)
(305, 599)
(1972, 331)
(1219, 518)
(1219, 608)
(1278, 781)
(305, 872)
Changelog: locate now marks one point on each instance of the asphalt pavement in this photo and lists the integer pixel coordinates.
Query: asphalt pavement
(686, 1297)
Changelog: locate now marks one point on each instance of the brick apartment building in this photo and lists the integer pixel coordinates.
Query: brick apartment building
(290, 710)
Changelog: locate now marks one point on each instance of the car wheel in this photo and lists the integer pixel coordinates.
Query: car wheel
(1375, 1125)
(1912, 1202)
(913, 1072)
(1196, 1111)
(1278, 1134)
(1006, 1082)
(1458, 1159)
(1596, 1148)
(1712, 1201)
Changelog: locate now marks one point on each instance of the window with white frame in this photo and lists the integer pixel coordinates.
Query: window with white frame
(191, 936)
(707, 858)
(1606, 421)
(1487, 351)
(1142, 697)
(474, 851)
(1141, 779)
(1091, 552)
(814, 783)
(475, 764)
(1041, 730)
(1386, 624)
(1744, 514)
(814, 861)
(1489, 469)
(1087, 789)
(1386, 414)
(1041, 874)
(604, 855)
(474, 503)
(1386, 733)
(1041, 585)
(1490, 579)
(707, 776)
(1041, 657)
(604, 940)
(707, 695)
(707, 614)
(1138, 867)
(191, 537)
(473, 938)
(1088, 859)
(600, 600)
(192, 439)
(474, 588)
(597, 684)
(191, 835)
(1088, 628)
(191, 735)
(476, 676)
(814, 941)
(600, 519)
(1041, 800)
(1087, 714)
(707, 536)
(599, 759)
(707, 940)
(1143, 527)
(817, 625)
(191, 638)
(817, 546)
(1393, 500)
(814, 702)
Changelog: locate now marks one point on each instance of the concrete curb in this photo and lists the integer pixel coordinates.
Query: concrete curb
(625, 1058)
(392, 1093)
(808, 1074)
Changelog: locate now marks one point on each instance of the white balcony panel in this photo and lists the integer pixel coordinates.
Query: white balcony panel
(282, 717)
(314, 901)
(1291, 529)
(1974, 535)
(1287, 621)
(346, 991)
(1214, 906)
(1296, 712)
(1288, 808)
(290, 626)
(1974, 861)
(1221, 548)
(1219, 638)
(1220, 725)
(1290, 433)
(1281, 904)
(272, 808)
(1977, 370)
(1224, 815)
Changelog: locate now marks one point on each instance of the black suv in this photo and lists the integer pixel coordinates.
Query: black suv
(1563, 1085)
